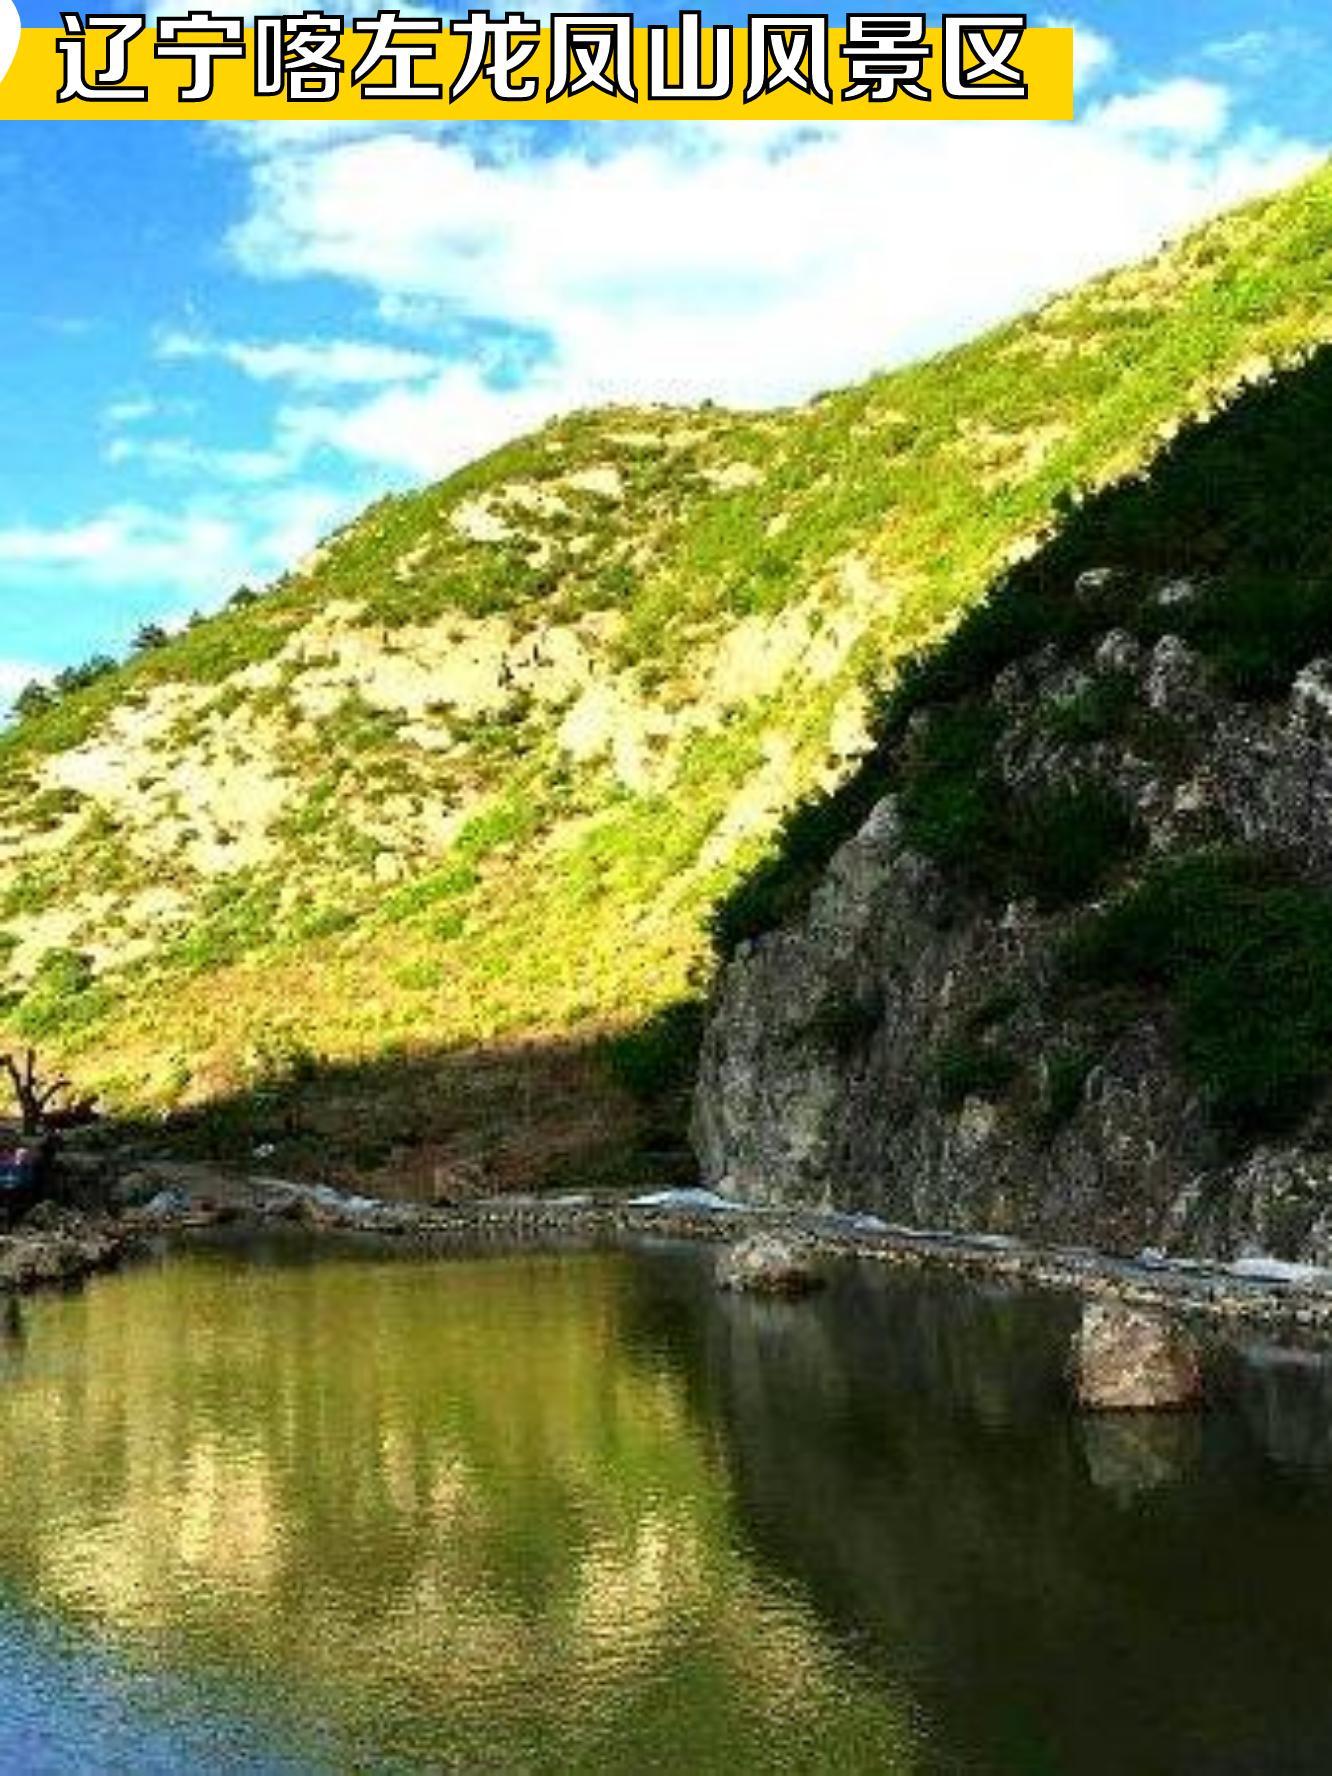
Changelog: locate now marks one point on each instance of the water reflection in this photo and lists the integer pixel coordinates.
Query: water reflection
(428, 1514)
(1122, 1595)
(1129, 1454)
(574, 1512)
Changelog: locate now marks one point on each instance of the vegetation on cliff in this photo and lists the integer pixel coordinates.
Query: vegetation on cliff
(1100, 679)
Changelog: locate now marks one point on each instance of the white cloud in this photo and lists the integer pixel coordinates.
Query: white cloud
(1093, 54)
(429, 430)
(184, 457)
(191, 558)
(1263, 51)
(129, 412)
(1190, 111)
(331, 363)
(1247, 47)
(753, 264)
(1093, 57)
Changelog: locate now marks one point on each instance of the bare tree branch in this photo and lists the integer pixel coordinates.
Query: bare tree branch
(37, 1099)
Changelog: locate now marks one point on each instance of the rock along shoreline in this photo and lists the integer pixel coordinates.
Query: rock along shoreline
(174, 1199)
(62, 1248)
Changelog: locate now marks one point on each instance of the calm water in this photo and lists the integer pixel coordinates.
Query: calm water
(580, 1512)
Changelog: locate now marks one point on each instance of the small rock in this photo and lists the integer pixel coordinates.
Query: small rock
(1311, 700)
(306, 1211)
(767, 1265)
(1118, 652)
(1130, 1359)
(1190, 798)
(1176, 593)
(1069, 687)
(1010, 685)
(166, 1204)
(1095, 582)
(49, 1217)
(1176, 678)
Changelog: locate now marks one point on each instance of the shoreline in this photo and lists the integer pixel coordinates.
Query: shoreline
(164, 1200)
(1290, 1298)
(64, 1249)
(1187, 1288)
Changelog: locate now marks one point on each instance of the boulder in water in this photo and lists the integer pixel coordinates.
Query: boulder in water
(767, 1264)
(1130, 1359)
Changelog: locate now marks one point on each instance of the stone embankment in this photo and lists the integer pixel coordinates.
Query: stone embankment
(165, 1199)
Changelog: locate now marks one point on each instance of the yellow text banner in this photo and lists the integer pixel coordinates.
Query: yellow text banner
(30, 91)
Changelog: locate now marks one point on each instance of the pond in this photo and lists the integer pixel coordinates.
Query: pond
(276, 1508)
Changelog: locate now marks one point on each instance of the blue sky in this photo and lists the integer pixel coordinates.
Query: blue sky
(221, 341)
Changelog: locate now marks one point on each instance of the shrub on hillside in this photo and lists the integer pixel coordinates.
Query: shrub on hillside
(1244, 956)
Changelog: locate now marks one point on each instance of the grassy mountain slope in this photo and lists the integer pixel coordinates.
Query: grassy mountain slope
(454, 800)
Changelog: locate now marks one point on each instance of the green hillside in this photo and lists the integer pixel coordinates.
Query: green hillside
(389, 864)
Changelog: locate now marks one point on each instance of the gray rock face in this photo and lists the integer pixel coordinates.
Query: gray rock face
(820, 1083)
(1129, 1360)
(768, 1265)
(816, 1081)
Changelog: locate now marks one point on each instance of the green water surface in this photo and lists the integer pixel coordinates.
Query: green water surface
(578, 1511)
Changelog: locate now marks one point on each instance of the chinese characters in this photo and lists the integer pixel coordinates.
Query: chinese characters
(316, 58)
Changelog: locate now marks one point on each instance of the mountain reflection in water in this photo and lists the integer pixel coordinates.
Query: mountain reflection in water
(579, 1511)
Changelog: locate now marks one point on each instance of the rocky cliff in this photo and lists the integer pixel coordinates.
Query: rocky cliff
(1070, 975)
